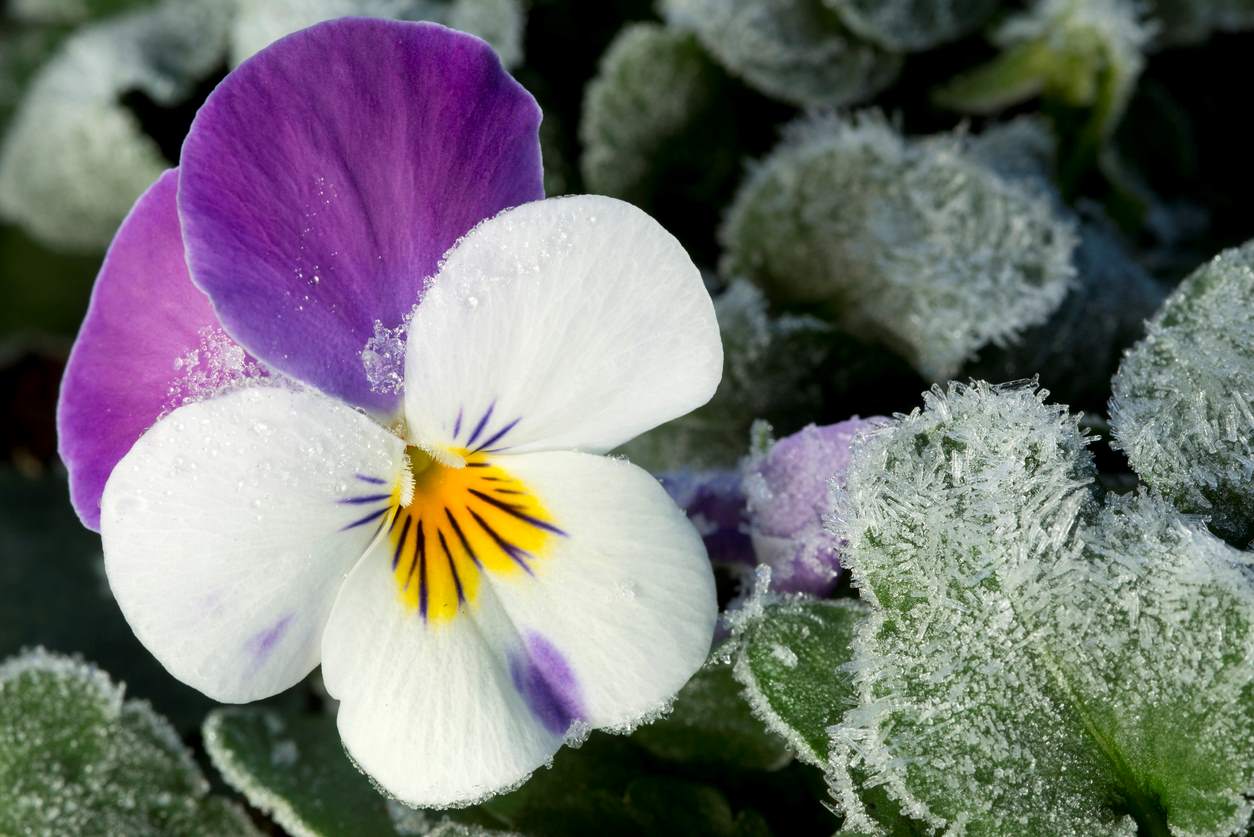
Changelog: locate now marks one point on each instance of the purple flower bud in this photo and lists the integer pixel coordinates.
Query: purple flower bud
(787, 491)
(715, 504)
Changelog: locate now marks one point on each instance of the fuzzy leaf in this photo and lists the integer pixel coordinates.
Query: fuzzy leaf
(1032, 666)
(75, 159)
(797, 51)
(912, 25)
(1181, 22)
(909, 242)
(76, 759)
(651, 116)
(1182, 410)
(711, 724)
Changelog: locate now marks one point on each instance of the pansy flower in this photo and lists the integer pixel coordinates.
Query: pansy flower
(476, 580)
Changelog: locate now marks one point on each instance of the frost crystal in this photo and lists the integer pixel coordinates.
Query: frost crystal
(910, 242)
(261, 22)
(788, 490)
(216, 366)
(794, 50)
(76, 759)
(383, 358)
(75, 159)
(652, 87)
(1182, 408)
(909, 25)
(1027, 657)
(769, 370)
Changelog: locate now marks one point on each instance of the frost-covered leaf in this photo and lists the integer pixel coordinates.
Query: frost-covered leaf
(293, 768)
(75, 758)
(1029, 665)
(67, 11)
(911, 25)
(909, 242)
(792, 663)
(770, 366)
(797, 51)
(651, 117)
(1183, 410)
(710, 724)
(261, 22)
(74, 158)
(1077, 350)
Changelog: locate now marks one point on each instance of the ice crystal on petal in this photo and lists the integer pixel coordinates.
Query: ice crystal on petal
(218, 364)
(74, 159)
(794, 50)
(1028, 656)
(910, 242)
(261, 22)
(383, 358)
(1182, 409)
(909, 25)
(75, 758)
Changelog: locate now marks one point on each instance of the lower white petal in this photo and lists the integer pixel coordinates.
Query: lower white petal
(230, 525)
(576, 596)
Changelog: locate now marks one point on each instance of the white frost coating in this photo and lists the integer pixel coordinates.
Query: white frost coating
(909, 242)
(1183, 406)
(912, 25)
(261, 22)
(75, 159)
(383, 358)
(1026, 655)
(793, 50)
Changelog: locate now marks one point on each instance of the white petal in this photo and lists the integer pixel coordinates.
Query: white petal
(614, 614)
(566, 323)
(229, 527)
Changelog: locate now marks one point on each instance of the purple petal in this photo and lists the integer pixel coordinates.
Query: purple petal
(715, 503)
(325, 177)
(789, 495)
(150, 342)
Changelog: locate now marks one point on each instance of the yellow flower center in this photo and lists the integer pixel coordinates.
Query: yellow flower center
(453, 524)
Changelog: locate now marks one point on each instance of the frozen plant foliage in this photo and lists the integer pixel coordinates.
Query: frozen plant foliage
(1032, 665)
(75, 758)
(261, 22)
(1190, 21)
(74, 159)
(770, 364)
(909, 25)
(1181, 409)
(797, 51)
(909, 242)
(652, 85)
(788, 488)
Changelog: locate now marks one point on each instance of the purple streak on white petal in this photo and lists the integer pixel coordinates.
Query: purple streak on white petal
(545, 680)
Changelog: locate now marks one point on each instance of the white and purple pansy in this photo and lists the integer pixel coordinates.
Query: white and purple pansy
(476, 580)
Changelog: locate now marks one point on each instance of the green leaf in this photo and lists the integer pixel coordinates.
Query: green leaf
(770, 370)
(912, 243)
(1182, 410)
(75, 758)
(711, 724)
(912, 25)
(792, 663)
(1032, 664)
(293, 768)
(797, 51)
